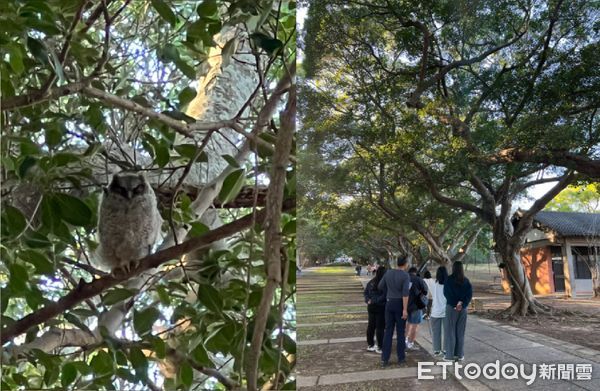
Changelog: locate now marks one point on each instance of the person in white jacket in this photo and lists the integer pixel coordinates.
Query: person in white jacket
(438, 310)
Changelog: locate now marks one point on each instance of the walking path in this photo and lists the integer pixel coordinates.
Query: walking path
(332, 342)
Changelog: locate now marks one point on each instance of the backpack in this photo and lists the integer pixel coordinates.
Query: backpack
(419, 298)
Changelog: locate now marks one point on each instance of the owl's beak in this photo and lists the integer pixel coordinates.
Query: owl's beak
(129, 194)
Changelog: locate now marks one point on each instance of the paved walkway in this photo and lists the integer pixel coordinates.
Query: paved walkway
(332, 355)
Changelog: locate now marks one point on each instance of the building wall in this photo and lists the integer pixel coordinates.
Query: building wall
(580, 287)
(538, 268)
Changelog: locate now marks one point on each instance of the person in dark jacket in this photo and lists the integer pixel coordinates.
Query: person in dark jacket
(458, 292)
(415, 315)
(396, 284)
(375, 300)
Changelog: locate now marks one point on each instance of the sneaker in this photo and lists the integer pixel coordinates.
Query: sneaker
(371, 348)
(401, 363)
(461, 358)
(410, 345)
(448, 359)
(437, 353)
(377, 350)
(385, 364)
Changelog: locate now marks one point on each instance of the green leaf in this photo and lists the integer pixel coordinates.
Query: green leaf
(94, 116)
(16, 59)
(68, 374)
(162, 154)
(210, 298)
(102, 363)
(121, 358)
(169, 53)
(18, 278)
(138, 360)
(117, 295)
(200, 355)
(207, 9)
(186, 69)
(189, 151)
(53, 134)
(186, 150)
(160, 348)
(41, 263)
(72, 209)
(186, 96)
(289, 228)
(164, 11)
(143, 320)
(231, 160)
(289, 344)
(186, 374)
(63, 158)
(81, 367)
(37, 49)
(270, 45)
(25, 165)
(178, 115)
(197, 31)
(163, 296)
(232, 185)
(34, 239)
(77, 322)
(198, 229)
(14, 220)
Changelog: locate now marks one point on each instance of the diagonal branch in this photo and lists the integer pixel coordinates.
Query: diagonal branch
(86, 290)
(435, 192)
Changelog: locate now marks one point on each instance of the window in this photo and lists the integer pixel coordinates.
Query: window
(582, 256)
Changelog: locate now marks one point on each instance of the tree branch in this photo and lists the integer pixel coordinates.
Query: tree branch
(447, 200)
(583, 164)
(86, 290)
(272, 235)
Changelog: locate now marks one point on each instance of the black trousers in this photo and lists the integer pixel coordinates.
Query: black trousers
(376, 326)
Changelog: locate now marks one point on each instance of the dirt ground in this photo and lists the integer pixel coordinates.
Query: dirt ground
(449, 384)
(349, 357)
(578, 325)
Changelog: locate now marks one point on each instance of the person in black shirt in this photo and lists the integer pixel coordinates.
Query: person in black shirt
(396, 284)
(375, 300)
(415, 315)
(458, 292)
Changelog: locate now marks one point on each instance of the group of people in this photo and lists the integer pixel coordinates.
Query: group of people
(396, 297)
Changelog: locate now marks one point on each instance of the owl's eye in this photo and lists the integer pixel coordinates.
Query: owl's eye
(116, 188)
(139, 189)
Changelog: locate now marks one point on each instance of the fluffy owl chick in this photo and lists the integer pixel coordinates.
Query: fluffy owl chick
(129, 222)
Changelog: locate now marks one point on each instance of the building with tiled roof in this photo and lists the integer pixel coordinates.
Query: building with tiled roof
(559, 250)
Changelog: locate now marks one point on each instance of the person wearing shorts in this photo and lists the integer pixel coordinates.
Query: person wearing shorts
(415, 315)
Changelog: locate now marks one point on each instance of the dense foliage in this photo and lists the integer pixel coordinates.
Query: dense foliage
(189, 93)
(443, 108)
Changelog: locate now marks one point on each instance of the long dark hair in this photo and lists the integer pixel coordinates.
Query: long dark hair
(441, 275)
(458, 272)
(378, 275)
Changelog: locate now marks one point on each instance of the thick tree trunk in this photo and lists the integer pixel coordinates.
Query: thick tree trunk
(522, 300)
(596, 279)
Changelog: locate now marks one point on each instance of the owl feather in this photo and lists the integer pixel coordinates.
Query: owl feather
(129, 222)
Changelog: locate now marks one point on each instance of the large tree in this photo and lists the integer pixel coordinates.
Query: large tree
(201, 97)
(489, 99)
